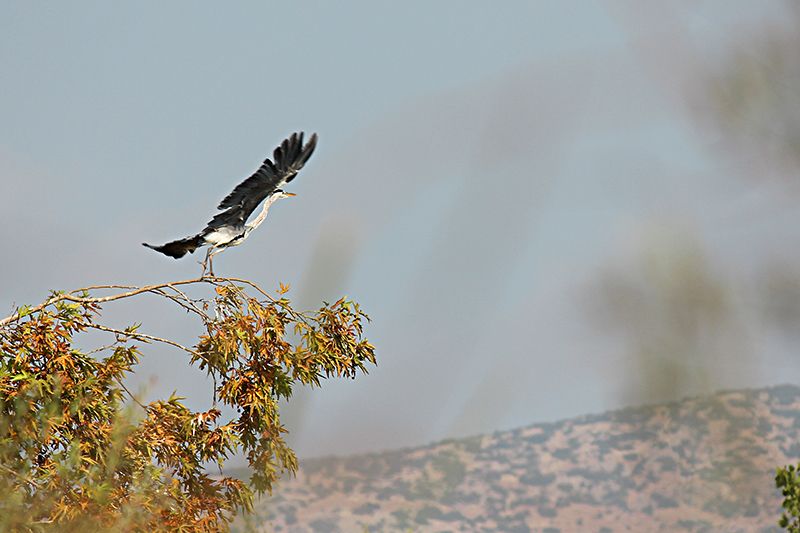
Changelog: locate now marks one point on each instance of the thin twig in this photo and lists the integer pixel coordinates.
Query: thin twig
(178, 300)
(101, 348)
(134, 398)
(246, 282)
(20, 476)
(190, 302)
(295, 314)
(143, 336)
(99, 287)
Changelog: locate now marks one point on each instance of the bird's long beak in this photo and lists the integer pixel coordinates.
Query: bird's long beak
(290, 194)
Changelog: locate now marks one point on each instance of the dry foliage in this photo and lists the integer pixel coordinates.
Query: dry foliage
(78, 450)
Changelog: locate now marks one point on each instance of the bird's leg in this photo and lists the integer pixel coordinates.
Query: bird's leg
(205, 261)
(211, 253)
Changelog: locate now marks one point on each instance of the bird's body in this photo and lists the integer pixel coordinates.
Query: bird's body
(230, 227)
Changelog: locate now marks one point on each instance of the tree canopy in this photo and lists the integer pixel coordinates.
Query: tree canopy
(78, 449)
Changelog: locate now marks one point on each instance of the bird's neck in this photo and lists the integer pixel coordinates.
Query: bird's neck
(261, 216)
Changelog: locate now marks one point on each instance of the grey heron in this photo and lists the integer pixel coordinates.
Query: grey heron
(230, 227)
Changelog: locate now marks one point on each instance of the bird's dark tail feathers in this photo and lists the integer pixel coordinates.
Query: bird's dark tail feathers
(178, 249)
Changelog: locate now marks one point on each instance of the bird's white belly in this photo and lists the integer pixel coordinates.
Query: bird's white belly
(221, 236)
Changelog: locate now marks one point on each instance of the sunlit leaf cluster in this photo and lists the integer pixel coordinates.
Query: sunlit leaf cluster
(78, 450)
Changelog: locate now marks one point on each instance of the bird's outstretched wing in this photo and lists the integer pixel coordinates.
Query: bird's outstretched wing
(286, 162)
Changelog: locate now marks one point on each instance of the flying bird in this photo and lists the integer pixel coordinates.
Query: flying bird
(230, 227)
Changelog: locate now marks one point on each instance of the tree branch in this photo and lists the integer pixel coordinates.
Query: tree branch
(70, 296)
(181, 299)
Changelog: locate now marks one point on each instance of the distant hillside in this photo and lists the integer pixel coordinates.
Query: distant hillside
(704, 464)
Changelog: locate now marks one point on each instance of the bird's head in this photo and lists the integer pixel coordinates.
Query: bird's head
(279, 194)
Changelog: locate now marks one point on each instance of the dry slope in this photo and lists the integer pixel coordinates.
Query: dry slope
(703, 464)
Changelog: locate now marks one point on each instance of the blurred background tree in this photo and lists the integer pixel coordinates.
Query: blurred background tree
(675, 311)
(748, 103)
(753, 96)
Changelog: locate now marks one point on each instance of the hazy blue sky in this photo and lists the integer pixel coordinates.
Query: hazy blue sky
(479, 166)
